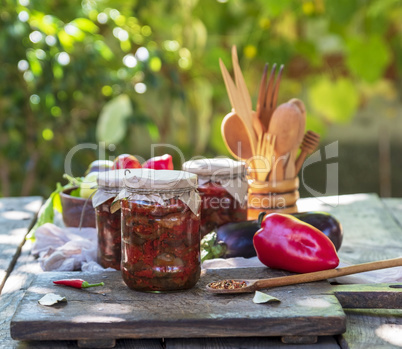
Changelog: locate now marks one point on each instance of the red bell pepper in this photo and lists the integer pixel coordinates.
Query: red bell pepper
(284, 242)
(76, 283)
(164, 162)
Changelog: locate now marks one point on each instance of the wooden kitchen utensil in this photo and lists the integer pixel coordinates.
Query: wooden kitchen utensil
(239, 106)
(244, 93)
(309, 145)
(262, 96)
(240, 82)
(235, 136)
(284, 124)
(254, 285)
(268, 95)
(262, 162)
(290, 170)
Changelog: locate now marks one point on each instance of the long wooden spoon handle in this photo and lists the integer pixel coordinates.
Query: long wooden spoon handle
(328, 274)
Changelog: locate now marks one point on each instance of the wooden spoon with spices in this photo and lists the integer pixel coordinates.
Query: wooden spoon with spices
(247, 286)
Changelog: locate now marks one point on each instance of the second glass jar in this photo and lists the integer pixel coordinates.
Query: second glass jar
(223, 188)
(110, 183)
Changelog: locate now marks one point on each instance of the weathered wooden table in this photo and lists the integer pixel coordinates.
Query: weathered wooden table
(373, 231)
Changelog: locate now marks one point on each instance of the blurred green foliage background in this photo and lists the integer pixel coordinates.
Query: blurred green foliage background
(131, 73)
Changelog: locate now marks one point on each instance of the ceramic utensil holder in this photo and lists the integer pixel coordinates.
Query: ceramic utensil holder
(274, 196)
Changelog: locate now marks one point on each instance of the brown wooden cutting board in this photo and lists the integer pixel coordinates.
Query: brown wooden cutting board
(114, 311)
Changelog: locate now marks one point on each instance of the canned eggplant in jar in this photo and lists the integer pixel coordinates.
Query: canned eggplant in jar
(110, 183)
(223, 188)
(160, 231)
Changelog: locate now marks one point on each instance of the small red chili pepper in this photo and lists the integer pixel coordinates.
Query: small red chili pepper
(76, 283)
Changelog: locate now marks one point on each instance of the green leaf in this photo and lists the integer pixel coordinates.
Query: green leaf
(66, 40)
(112, 122)
(75, 192)
(341, 11)
(104, 50)
(46, 213)
(51, 299)
(56, 198)
(368, 58)
(210, 248)
(337, 101)
(85, 25)
(153, 131)
(379, 8)
(397, 44)
(275, 8)
(261, 297)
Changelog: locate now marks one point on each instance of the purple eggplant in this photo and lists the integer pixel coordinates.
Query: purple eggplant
(238, 237)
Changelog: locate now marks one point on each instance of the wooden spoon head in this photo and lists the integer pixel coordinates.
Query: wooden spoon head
(302, 108)
(285, 124)
(226, 286)
(235, 137)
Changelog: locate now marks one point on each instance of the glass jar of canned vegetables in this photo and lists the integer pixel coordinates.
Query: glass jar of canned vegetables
(223, 188)
(160, 230)
(110, 183)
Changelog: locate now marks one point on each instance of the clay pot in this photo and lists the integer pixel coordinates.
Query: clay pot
(72, 210)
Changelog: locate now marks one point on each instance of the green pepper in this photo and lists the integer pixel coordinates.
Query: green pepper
(284, 242)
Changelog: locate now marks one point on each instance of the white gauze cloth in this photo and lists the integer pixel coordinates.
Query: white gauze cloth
(66, 249)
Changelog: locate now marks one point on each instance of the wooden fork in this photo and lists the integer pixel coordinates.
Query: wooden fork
(268, 95)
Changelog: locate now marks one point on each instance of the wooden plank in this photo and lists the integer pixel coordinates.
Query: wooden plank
(14, 289)
(394, 206)
(372, 329)
(115, 311)
(16, 217)
(372, 232)
(324, 342)
(370, 296)
(365, 329)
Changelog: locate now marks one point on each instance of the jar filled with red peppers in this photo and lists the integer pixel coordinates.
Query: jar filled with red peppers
(110, 183)
(160, 231)
(223, 188)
